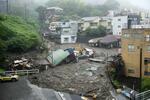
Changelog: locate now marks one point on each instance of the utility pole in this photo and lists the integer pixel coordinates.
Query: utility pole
(25, 11)
(7, 6)
(140, 70)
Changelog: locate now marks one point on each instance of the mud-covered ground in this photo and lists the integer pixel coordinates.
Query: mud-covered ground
(78, 78)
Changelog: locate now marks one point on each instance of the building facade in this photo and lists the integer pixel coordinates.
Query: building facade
(118, 23)
(136, 51)
(64, 32)
(122, 22)
(89, 22)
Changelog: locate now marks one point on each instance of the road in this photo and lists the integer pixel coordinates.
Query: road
(24, 90)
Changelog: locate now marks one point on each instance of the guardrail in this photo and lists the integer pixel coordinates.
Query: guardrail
(143, 96)
(23, 72)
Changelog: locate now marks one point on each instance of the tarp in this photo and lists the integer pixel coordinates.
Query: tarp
(56, 57)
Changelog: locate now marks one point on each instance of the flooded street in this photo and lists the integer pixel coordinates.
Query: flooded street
(78, 78)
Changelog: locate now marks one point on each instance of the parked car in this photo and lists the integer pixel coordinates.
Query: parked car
(8, 77)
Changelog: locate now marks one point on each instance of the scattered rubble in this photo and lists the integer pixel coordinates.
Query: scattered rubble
(78, 78)
(21, 64)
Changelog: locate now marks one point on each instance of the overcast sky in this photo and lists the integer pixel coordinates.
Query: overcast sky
(138, 3)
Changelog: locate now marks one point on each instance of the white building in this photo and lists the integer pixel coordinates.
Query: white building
(64, 32)
(118, 23)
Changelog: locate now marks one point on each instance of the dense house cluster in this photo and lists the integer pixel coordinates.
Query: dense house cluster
(127, 29)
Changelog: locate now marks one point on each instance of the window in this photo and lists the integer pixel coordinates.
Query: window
(72, 38)
(148, 48)
(131, 71)
(131, 48)
(147, 38)
(126, 35)
(119, 19)
(94, 24)
(119, 26)
(66, 39)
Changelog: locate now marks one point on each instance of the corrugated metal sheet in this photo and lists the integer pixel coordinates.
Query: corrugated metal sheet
(56, 57)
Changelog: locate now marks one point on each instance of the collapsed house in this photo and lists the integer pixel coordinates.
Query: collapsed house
(109, 41)
(68, 55)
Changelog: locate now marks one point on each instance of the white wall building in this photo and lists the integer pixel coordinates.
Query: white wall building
(118, 23)
(64, 32)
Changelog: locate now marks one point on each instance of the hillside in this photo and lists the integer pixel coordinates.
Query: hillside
(17, 35)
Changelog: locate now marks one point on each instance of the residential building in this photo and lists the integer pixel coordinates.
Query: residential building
(136, 51)
(106, 22)
(64, 32)
(121, 22)
(118, 23)
(89, 22)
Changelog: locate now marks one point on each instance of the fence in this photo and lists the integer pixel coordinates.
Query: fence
(143, 96)
(23, 72)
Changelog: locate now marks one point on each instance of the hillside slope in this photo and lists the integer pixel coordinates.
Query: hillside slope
(17, 35)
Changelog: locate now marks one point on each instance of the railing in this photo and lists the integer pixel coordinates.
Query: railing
(143, 96)
(23, 72)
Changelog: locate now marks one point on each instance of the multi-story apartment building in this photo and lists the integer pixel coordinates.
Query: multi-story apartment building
(118, 23)
(64, 32)
(121, 22)
(136, 51)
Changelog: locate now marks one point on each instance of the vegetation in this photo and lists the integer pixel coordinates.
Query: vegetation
(78, 8)
(17, 35)
(1, 70)
(99, 32)
(145, 84)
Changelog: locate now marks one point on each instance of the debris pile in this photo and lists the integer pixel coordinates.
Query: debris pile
(21, 64)
(79, 78)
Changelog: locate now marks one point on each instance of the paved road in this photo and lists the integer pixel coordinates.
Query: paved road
(23, 90)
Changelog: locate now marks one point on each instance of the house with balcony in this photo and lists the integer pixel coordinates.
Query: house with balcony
(106, 22)
(88, 22)
(135, 44)
(64, 32)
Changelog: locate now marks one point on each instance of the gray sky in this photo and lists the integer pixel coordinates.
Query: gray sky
(138, 3)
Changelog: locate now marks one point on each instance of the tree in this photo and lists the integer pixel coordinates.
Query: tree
(42, 16)
(80, 8)
(100, 31)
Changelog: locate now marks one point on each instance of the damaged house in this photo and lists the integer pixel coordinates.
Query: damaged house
(109, 41)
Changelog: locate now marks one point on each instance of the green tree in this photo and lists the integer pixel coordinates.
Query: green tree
(80, 8)
(100, 31)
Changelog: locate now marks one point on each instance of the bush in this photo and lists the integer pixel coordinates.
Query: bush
(117, 84)
(145, 84)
